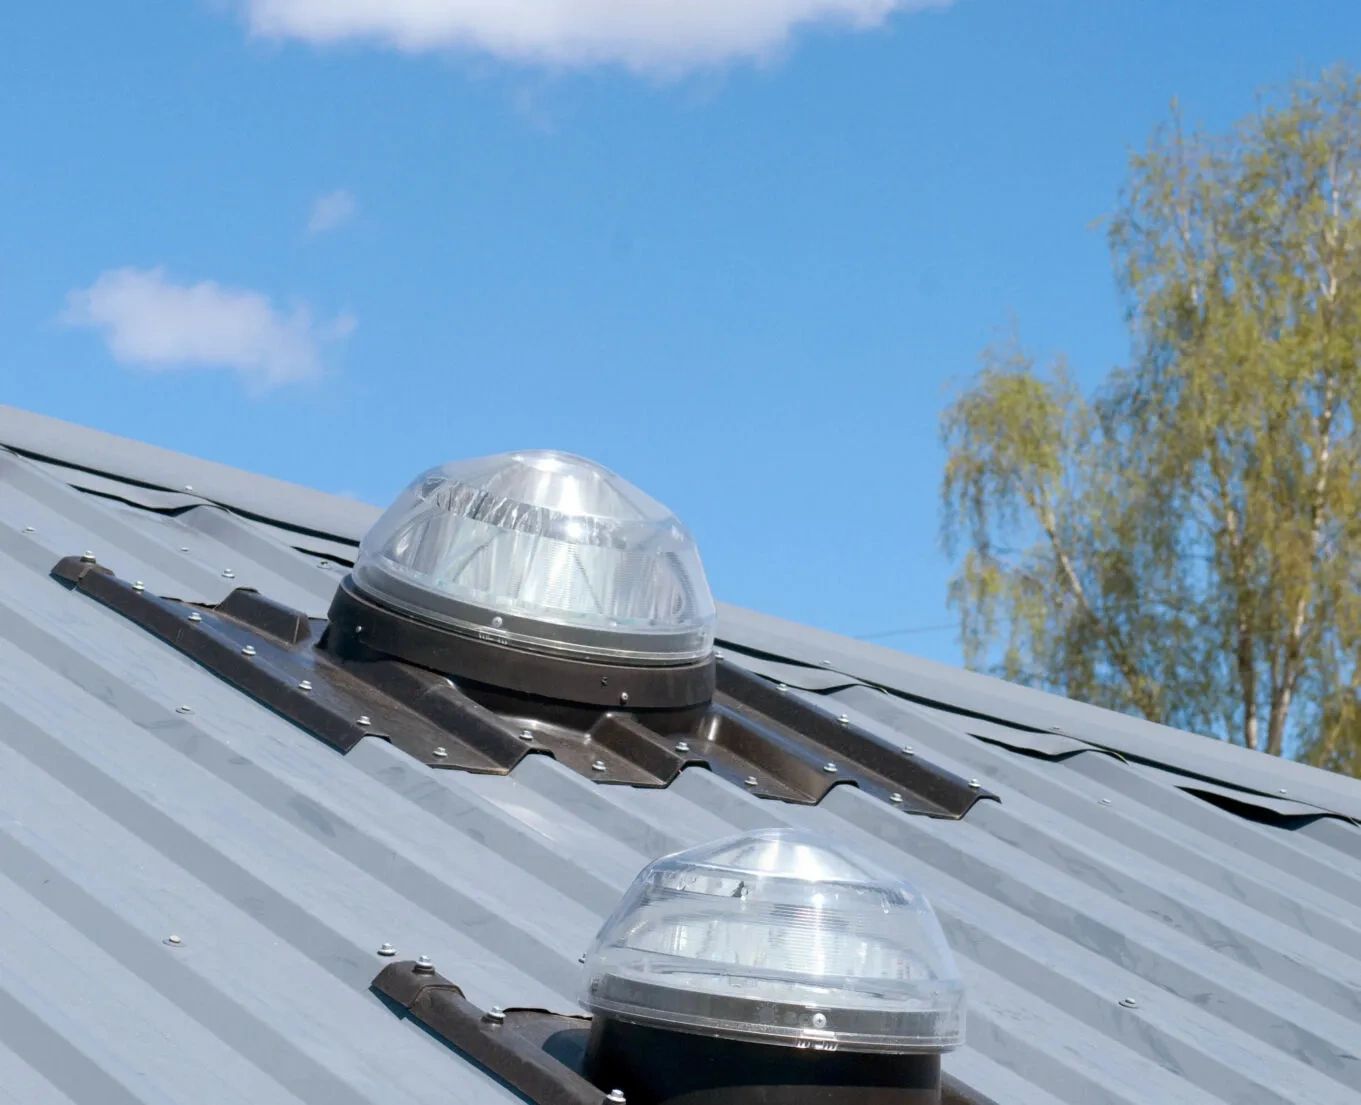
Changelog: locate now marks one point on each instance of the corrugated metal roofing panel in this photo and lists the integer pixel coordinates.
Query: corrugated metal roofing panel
(283, 865)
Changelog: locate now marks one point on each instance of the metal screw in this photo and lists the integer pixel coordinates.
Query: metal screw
(683, 746)
(599, 765)
(189, 487)
(718, 654)
(1283, 791)
(87, 557)
(227, 573)
(819, 1020)
(248, 650)
(424, 965)
(975, 784)
(782, 686)
(526, 734)
(363, 719)
(323, 563)
(173, 940)
(440, 753)
(604, 680)
(896, 798)
(830, 768)
(623, 698)
(496, 1014)
(138, 585)
(196, 617)
(497, 622)
(1129, 1003)
(184, 548)
(304, 684)
(28, 529)
(1104, 801)
(845, 719)
(750, 780)
(616, 1097)
(184, 709)
(387, 950)
(908, 751)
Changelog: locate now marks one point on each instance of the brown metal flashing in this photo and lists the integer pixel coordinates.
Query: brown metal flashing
(754, 733)
(541, 1055)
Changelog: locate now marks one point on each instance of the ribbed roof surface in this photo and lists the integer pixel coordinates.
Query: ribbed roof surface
(1123, 939)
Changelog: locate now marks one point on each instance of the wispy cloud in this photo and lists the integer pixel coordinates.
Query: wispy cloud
(642, 35)
(150, 322)
(332, 210)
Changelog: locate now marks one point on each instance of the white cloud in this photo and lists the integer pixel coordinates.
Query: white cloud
(332, 210)
(665, 35)
(153, 323)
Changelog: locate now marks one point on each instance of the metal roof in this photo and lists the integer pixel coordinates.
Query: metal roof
(1123, 938)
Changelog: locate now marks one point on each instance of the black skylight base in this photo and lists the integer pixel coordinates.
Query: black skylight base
(753, 733)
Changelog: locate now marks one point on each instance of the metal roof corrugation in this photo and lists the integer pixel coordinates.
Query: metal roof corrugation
(283, 865)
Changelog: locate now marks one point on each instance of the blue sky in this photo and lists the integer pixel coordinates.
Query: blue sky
(739, 257)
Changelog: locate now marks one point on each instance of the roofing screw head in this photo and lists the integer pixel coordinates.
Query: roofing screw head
(189, 487)
(623, 698)
(248, 650)
(173, 940)
(1282, 791)
(424, 965)
(526, 734)
(896, 798)
(1129, 1003)
(819, 1020)
(363, 719)
(599, 765)
(908, 750)
(497, 622)
(750, 780)
(28, 529)
(323, 563)
(440, 753)
(196, 617)
(184, 709)
(304, 684)
(718, 654)
(830, 768)
(138, 585)
(184, 548)
(386, 950)
(616, 1097)
(227, 573)
(782, 686)
(845, 719)
(1104, 801)
(496, 1014)
(683, 746)
(87, 557)
(975, 784)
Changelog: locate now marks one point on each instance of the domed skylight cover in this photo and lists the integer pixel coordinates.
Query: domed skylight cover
(779, 937)
(546, 551)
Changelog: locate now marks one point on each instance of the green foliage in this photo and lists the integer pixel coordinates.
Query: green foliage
(1186, 544)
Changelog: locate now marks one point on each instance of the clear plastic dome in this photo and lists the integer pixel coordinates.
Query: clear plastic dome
(546, 551)
(779, 937)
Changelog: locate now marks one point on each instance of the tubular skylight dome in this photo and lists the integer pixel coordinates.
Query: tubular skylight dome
(545, 551)
(778, 937)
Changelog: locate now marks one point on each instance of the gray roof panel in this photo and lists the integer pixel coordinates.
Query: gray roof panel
(283, 865)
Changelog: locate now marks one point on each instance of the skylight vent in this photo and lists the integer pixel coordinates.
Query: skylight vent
(542, 551)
